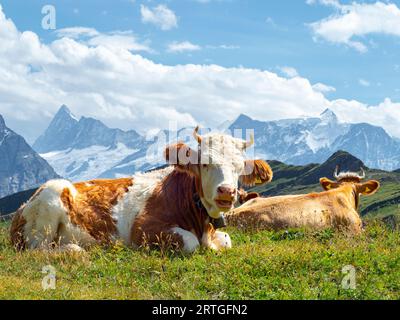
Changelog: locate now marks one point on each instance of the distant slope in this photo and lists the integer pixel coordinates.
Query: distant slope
(11, 203)
(21, 168)
(303, 179)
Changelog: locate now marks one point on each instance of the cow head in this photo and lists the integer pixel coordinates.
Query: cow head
(353, 179)
(219, 165)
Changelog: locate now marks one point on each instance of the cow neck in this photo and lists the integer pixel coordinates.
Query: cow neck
(352, 193)
(180, 191)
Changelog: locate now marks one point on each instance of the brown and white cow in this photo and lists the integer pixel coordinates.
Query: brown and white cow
(335, 208)
(172, 206)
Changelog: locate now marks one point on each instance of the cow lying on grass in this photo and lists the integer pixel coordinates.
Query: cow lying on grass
(175, 206)
(335, 208)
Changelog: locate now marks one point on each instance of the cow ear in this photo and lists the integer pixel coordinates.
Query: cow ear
(369, 187)
(327, 184)
(256, 172)
(181, 156)
(246, 196)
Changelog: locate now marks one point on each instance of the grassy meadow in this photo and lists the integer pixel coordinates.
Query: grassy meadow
(266, 265)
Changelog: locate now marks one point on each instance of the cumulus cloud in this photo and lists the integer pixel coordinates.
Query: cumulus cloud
(160, 16)
(126, 90)
(351, 22)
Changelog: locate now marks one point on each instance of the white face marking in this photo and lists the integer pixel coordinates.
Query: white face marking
(222, 162)
(190, 241)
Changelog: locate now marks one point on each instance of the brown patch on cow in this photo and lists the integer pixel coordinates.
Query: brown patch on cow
(182, 157)
(171, 205)
(18, 223)
(91, 209)
(17, 230)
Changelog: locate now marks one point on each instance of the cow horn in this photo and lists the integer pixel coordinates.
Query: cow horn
(362, 173)
(336, 173)
(196, 135)
(248, 144)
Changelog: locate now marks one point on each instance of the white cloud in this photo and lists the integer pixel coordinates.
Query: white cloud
(223, 46)
(320, 87)
(364, 82)
(76, 32)
(161, 16)
(128, 91)
(357, 20)
(332, 3)
(114, 40)
(178, 47)
(289, 71)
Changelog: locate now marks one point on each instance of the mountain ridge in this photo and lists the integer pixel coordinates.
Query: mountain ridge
(65, 131)
(86, 148)
(301, 141)
(21, 168)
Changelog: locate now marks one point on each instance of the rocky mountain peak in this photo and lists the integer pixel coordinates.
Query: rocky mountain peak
(21, 167)
(329, 116)
(2, 124)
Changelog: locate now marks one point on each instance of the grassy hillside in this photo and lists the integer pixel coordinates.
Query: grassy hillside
(303, 179)
(265, 265)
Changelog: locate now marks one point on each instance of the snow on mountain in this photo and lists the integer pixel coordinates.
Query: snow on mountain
(85, 148)
(67, 132)
(313, 140)
(82, 149)
(87, 163)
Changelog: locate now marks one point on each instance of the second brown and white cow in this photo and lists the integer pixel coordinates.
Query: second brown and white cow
(172, 206)
(335, 208)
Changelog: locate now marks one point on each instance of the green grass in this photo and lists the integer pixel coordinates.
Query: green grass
(265, 265)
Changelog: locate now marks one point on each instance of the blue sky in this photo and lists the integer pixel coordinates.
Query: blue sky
(262, 34)
(288, 38)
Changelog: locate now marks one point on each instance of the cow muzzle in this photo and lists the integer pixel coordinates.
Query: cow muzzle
(225, 197)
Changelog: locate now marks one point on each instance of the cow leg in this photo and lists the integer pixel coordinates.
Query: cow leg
(223, 240)
(220, 241)
(216, 240)
(189, 241)
(152, 233)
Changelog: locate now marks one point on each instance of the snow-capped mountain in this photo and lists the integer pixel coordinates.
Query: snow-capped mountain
(313, 140)
(21, 168)
(67, 132)
(85, 148)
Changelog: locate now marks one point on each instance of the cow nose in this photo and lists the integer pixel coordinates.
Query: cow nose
(226, 190)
